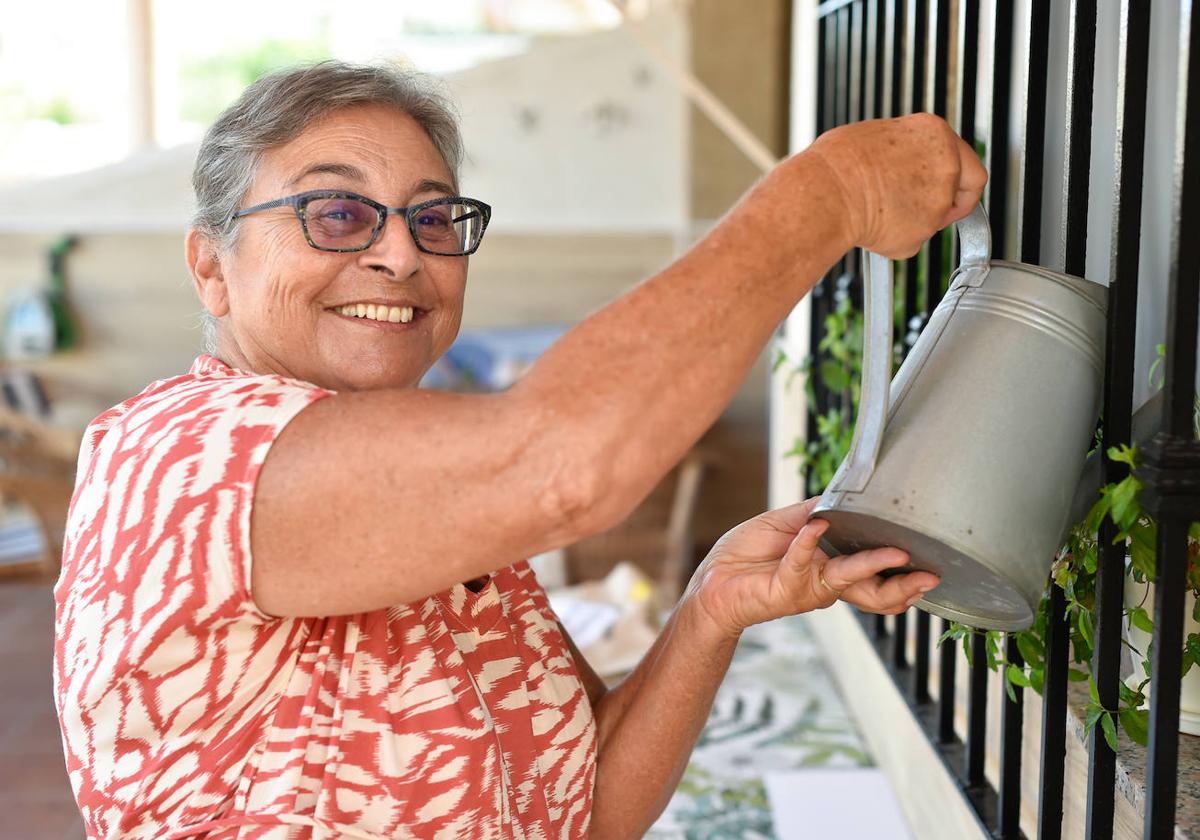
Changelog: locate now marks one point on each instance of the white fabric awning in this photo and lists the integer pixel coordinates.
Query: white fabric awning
(148, 192)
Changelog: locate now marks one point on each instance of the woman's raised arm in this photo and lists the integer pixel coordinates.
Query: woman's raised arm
(375, 498)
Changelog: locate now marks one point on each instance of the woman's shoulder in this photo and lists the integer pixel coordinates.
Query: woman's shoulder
(209, 388)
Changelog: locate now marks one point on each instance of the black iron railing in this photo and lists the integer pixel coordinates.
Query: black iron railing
(881, 58)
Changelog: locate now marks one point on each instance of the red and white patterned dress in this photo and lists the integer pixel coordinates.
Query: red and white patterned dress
(189, 713)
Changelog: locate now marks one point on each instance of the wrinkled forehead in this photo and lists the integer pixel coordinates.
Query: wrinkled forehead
(368, 147)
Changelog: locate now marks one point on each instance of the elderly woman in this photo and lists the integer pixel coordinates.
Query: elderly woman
(294, 601)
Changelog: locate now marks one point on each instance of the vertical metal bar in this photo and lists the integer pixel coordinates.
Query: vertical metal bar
(1180, 367)
(877, 38)
(998, 140)
(870, 58)
(1080, 65)
(855, 63)
(1054, 718)
(824, 119)
(977, 711)
(881, 630)
(968, 78)
(1011, 721)
(914, 84)
(1037, 48)
(1172, 461)
(837, 99)
(850, 261)
(900, 642)
(827, 61)
(896, 17)
(968, 67)
(921, 662)
(948, 658)
(1080, 71)
(841, 84)
(936, 99)
(1163, 756)
(1132, 76)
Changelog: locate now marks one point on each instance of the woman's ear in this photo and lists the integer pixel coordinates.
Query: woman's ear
(204, 263)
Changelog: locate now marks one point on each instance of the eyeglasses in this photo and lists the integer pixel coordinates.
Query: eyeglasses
(346, 222)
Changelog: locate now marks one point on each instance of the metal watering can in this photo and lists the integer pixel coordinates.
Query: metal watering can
(972, 460)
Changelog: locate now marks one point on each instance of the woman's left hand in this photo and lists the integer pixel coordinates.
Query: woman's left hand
(770, 566)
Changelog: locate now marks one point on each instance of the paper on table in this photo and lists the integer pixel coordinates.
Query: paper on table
(850, 804)
(586, 621)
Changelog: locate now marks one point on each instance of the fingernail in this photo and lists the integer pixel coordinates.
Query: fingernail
(812, 526)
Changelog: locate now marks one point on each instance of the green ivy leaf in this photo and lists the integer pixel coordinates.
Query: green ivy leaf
(1085, 627)
(1142, 552)
(1096, 515)
(834, 375)
(1017, 677)
(1075, 675)
(954, 632)
(1094, 711)
(1136, 724)
(797, 451)
(1191, 651)
(1141, 619)
(1031, 648)
(992, 649)
(1125, 507)
(1123, 454)
(1037, 679)
(1110, 730)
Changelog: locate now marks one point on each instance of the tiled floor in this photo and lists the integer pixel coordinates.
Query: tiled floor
(779, 732)
(35, 797)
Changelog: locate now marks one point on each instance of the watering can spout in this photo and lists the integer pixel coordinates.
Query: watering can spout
(970, 458)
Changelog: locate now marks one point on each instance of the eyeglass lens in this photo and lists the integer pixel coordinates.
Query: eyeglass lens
(347, 224)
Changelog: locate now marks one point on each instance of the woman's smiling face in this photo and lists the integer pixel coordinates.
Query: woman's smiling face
(279, 298)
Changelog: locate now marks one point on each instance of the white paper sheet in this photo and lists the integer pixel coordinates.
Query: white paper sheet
(849, 804)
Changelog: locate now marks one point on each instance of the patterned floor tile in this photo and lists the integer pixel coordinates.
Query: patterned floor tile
(777, 710)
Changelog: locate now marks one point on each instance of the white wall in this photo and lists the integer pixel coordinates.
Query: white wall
(580, 133)
(788, 405)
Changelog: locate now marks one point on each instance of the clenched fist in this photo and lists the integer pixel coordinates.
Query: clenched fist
(899, 180)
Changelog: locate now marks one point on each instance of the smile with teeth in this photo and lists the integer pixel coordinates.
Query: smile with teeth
(391, 314)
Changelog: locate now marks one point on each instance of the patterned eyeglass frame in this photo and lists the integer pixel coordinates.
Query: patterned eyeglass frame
(299, 203)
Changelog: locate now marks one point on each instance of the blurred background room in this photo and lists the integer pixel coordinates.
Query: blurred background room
(606, 137)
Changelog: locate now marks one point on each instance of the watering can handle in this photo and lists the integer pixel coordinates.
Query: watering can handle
(975, 247)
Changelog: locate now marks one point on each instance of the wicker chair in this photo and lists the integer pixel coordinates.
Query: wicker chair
(37, 468)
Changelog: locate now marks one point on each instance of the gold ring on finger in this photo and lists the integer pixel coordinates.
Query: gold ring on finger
(825, 583)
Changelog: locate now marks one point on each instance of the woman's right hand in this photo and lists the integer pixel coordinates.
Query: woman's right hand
(900, 180)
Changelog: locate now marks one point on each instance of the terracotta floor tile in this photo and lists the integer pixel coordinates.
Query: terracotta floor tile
(35, 796)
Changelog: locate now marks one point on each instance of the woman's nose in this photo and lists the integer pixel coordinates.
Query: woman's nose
(394, 252)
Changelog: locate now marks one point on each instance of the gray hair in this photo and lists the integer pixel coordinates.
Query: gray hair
(279, 107)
